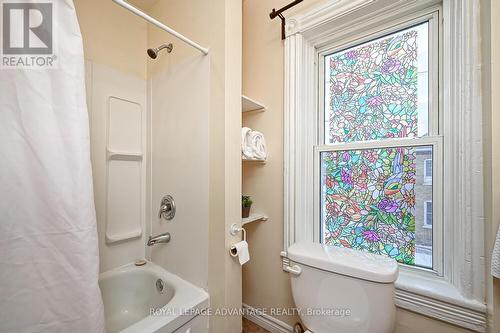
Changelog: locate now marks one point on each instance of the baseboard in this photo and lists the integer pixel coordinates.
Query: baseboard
(265, 321)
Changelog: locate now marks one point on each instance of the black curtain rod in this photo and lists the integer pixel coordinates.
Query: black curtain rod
(278, 13)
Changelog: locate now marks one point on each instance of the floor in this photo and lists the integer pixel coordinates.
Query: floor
(249, 327)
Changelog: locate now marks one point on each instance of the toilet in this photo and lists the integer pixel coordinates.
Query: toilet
(342, 290)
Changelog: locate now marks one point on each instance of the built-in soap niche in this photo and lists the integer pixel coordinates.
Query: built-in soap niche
(124, 164)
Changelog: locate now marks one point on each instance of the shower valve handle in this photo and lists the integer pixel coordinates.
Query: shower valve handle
(167, 208)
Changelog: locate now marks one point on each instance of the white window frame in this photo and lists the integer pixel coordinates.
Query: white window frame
(454, 291)
(434, 140)
(427, 178)
(426, 223)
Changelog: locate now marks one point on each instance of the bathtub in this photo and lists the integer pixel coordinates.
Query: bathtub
(150, 299)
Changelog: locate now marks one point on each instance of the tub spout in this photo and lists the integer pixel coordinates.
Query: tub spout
(161, 238)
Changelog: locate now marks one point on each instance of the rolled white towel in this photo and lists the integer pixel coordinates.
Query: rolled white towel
(246, 149)
(258, 145)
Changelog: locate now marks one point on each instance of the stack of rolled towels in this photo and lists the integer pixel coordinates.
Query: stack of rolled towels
(253, 145)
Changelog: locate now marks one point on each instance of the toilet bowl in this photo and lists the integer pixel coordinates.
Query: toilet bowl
(342, 290)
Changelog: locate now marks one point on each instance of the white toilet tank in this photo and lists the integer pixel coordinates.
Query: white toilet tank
(343, 290)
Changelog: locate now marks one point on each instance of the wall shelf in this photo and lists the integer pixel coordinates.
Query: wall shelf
(253, 218)
(250, 105)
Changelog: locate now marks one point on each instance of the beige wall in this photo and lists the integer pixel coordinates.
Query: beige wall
(264, 283)
(495, 125)
(491, 102)
(112, 36)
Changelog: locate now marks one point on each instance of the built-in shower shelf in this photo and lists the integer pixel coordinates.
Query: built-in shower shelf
(123, 236)
(124, 156)
(250, 105)
(253, 218)
(251, 160)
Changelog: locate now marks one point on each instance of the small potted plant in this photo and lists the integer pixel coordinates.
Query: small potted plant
(246, 203)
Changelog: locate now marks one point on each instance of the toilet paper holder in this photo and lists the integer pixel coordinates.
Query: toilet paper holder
(234, 230)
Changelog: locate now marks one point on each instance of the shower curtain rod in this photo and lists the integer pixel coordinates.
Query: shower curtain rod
(160, 25)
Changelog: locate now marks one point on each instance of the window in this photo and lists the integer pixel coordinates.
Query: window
(428, 172)
(428, 214)
(329, 165)
(378, 90)
(378, 140)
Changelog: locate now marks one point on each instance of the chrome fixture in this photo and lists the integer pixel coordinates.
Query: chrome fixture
(160, 285)
(295, 269)
(161, 238)
(167, 208)
(153, 53)
(234, 230)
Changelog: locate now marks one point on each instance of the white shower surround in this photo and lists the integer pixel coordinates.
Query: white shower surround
(175, 161)
(178, 99)
(120, 197)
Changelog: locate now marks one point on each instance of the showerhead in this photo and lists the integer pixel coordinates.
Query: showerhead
(153, 53)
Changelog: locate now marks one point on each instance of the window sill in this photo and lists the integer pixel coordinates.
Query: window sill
(436, 298)
(427, 226)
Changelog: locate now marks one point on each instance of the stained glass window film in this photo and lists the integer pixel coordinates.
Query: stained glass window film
(370, 199)
(378, 89)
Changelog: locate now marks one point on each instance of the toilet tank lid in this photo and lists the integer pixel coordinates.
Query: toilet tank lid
(345, 261)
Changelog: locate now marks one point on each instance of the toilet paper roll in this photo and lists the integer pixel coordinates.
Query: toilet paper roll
(240, 250)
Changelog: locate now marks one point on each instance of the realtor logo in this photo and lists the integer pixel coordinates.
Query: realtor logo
(27, 34)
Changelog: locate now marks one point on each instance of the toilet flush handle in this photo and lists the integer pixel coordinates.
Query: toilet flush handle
(295, 269)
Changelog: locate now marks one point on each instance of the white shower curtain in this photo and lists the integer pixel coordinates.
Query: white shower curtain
(49, 261)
